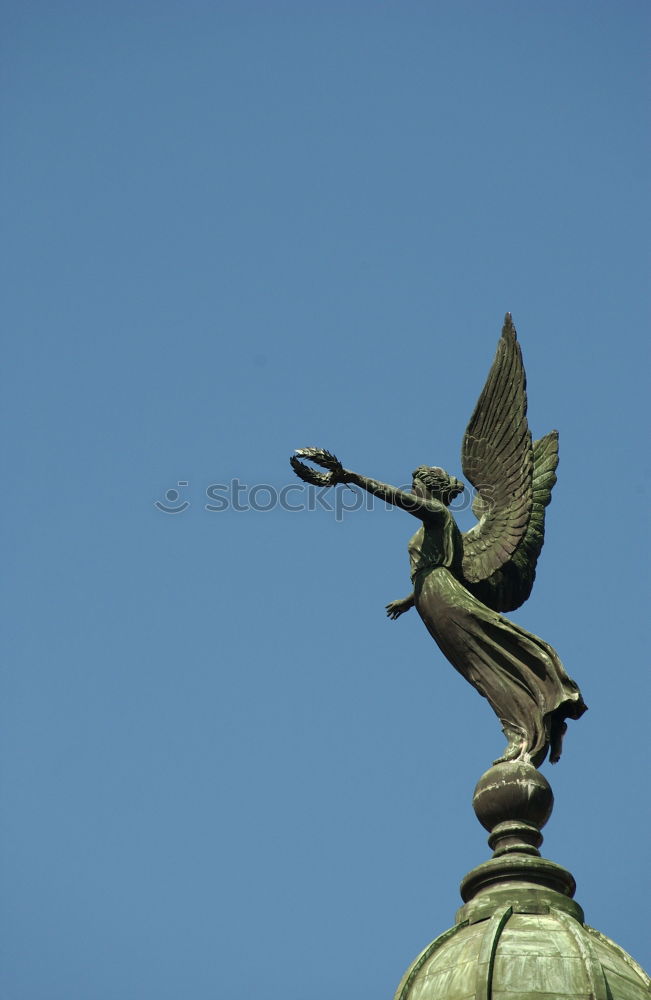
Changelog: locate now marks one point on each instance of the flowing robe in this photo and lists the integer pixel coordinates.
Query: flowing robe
(521, 676)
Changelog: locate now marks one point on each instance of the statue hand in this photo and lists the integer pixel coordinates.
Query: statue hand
(397, 608)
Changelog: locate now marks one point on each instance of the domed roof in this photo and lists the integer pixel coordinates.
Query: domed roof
(520, 934)
(524, 955)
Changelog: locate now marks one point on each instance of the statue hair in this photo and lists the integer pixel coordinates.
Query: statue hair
(438, 481)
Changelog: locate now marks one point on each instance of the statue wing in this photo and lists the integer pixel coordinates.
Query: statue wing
(509, 586)
(497, 458)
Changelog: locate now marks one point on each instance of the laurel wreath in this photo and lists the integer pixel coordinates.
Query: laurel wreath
(320, 457)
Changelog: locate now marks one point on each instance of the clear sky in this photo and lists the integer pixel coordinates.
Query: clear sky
(234, 229)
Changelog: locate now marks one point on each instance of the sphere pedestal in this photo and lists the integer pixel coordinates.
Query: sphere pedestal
(513, 801)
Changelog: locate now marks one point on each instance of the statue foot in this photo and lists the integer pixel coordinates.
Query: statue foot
(556, 745)
(516, 749)
(511, 753)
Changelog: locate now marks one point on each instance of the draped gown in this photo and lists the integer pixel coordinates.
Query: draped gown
(519, 674)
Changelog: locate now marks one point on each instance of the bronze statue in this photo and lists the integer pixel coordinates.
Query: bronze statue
(463, 581)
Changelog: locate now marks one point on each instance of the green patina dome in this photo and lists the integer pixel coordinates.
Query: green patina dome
(524, 951)
(520, 934)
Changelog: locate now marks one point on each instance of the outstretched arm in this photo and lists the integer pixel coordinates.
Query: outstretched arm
(406, 501)
(397, 608)
(418, 506)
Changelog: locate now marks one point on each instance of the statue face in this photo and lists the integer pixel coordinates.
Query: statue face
(425, 492)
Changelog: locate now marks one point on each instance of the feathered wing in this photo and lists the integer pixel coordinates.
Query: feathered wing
(497, 458)
(509, 587)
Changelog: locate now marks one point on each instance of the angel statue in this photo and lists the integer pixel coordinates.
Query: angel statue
(462, 581)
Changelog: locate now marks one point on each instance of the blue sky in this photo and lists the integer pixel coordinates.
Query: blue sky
(234, 229)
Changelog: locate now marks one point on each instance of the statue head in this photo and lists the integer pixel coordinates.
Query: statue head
(433, 483)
